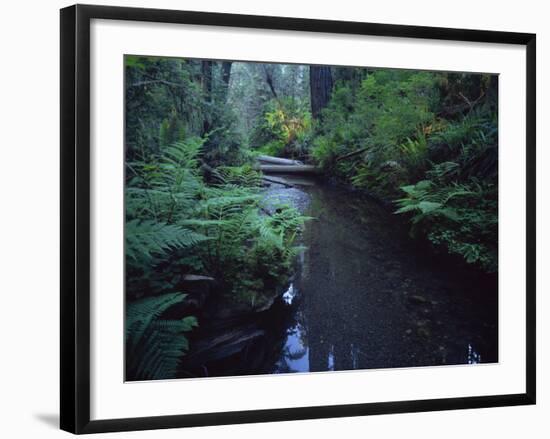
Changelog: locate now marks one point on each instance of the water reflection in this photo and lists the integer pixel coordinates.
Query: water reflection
(295, 353)
(365, 297)
(289, 294)
(473, 356)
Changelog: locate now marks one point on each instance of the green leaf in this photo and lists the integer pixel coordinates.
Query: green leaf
(189, 323)
(155, 346)
(428, 206)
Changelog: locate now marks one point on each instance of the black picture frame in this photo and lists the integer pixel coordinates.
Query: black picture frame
(75, 217)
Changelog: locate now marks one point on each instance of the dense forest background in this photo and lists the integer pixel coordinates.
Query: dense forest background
(424, 143)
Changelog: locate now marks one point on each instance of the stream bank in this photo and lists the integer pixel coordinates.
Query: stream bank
(364, 295)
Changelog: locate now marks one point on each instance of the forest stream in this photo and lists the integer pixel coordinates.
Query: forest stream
(363, 295)
(285, 218)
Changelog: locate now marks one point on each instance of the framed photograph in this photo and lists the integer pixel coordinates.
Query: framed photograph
(268, 218)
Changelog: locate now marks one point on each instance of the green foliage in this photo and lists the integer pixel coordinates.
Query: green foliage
(395, 104)
(178, 224)
(415, 151)
(324, 151)
(172, 130)
(461, 218)
(167, 102)
(386, 117)
(166, 187)
(155, 345)
(146, 238)
(250, 252)
(465, 183)
(224, 144)
(384, 177)
(158, 90)
(447, 166)
(193, 199)
(244, 175)
(284, 128)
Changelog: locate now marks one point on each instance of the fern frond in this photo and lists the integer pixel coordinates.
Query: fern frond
(155, 346)
(145, 238)
(241, 176)
(141, 313)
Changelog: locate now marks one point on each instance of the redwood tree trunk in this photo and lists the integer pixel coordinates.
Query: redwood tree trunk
(320, 85)
(226, 71)
(206, 70)
(226, 76)
(269, 79)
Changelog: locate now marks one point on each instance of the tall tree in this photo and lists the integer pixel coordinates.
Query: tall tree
(226, 71)
(269, 69)
(206, 76)
(206, 71)
(226, 76)
(320, 85)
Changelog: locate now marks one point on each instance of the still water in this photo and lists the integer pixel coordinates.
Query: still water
(364, 295)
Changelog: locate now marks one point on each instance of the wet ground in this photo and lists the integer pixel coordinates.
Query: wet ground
(364, 295)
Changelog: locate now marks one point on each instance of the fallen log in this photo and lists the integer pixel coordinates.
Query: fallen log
(277, 181)
(278, 160)
(289, 169)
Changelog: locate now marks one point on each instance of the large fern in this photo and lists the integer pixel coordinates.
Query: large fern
(178, 224)
(459, 217)
(155, 346)
(244, 175)
(144, 238)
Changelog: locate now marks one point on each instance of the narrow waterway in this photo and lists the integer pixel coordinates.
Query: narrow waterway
(365, 295)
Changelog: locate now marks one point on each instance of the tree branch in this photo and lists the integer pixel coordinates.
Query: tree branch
(351, 154)
(470, 103)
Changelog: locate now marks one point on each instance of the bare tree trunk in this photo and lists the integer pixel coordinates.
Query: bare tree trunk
(226, 71)
(206, 70)
(320, 85)
(226, 76)
(269, 80)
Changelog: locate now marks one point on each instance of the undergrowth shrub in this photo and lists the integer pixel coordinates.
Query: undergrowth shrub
(389, 136)
(176, 225)
(284, 129)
